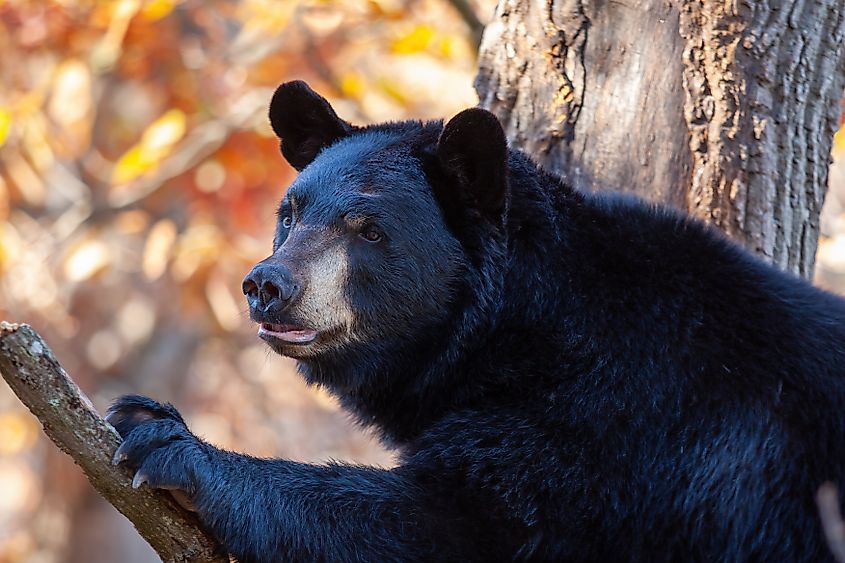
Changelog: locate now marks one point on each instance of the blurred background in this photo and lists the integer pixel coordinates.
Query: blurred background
(139, 180)
(138, 184)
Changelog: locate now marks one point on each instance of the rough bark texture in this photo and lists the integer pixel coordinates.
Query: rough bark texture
(72, 423)
(724, 108)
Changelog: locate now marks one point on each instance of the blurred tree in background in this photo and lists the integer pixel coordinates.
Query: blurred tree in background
(139, 179)
(138, 184)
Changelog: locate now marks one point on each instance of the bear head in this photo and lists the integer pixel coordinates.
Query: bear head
(377, 237)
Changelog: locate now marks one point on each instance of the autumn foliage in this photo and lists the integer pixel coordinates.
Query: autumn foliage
(138, 184)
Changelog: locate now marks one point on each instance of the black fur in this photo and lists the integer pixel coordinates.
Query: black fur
(305, 122)
(473, 153)
(567, 377)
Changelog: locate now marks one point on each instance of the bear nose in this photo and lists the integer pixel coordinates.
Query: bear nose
(269, 288)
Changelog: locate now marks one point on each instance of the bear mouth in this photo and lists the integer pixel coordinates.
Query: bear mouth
(290, 334)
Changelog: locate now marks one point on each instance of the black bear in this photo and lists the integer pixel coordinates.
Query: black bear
(566, 376)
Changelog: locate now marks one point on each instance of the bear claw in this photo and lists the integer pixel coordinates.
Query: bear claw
(139, 479)
(119, 456)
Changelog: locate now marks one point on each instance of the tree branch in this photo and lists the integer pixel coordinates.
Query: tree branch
(71, 422)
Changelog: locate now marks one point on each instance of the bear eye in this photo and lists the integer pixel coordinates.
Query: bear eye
(287, 221)
(371, 234)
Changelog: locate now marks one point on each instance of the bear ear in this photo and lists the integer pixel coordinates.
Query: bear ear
(473, 151)
(305, 122)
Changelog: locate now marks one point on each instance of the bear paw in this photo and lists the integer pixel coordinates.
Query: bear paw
(157, 445)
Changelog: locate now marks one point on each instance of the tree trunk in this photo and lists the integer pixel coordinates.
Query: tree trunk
(726, 109)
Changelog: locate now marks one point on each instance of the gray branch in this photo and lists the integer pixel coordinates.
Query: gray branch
(71, 422)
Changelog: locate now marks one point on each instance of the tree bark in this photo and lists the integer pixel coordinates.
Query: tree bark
(725, 109)
(72, 423)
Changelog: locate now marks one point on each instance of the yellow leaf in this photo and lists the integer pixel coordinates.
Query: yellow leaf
(156, 9)
(417, 40)
(839, 142)
(394, 91)
(155, 144)
(131, 165)
(5, 124)
(164, 131)
(446, 46)
(352, 85)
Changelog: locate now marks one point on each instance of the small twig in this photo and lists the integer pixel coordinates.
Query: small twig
(72, 423)
(827, 499)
